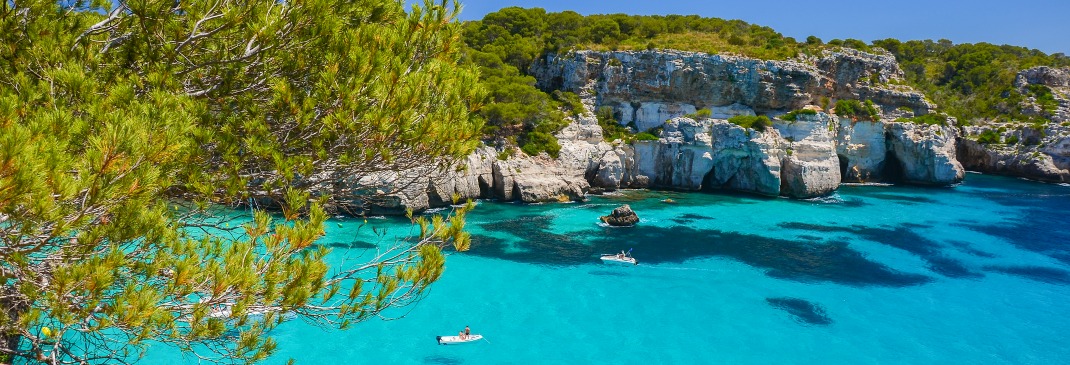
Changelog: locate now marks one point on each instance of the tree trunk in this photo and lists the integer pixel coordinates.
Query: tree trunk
(9, 339)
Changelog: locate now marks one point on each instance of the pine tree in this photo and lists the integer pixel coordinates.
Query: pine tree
(126, 126)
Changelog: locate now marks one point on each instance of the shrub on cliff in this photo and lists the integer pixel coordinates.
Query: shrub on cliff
(646, 136)
(756, 122)
(703, 113)
(988, 136)
(927, 119)
(535, 142)
(857, 110)
(611, 129)
(794, 114)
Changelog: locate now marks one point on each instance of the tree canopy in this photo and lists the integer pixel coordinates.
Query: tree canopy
(128, 128)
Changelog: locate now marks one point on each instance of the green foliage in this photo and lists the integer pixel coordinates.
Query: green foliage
(521, 35)
(988, 136)
(505, 154)
(756, 122)
(611, 130)
(856, 44)
(646, 136)
(535, 142)
(857, 110)
(1012, 140)
(121, 141)
(571, 101)
(703, 113)
(1044, 97)
(970, 81)
(794, 114)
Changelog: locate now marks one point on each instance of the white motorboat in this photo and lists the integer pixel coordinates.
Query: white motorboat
(457, 340)
(619, 259)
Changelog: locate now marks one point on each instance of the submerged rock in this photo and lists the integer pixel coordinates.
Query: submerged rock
(803, 311)
(623, 216)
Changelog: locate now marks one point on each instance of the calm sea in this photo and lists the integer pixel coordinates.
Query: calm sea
(976, 274)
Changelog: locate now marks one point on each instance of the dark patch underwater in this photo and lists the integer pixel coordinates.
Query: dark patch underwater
(803, 311)
(787, 259)
(1035, 273)
(901, 237)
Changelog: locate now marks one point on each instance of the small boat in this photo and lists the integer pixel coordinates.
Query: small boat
(618, 259)
(457, 340)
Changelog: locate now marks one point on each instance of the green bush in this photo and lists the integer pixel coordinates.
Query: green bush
(854, 109)
(1012, 140)
(988, 137)
(611, 130)
(756, 122)
(703, 113)
(794, 114)
(570, 100)
(505, 154)
(1044, 97)
(646, 136)
(535, 142)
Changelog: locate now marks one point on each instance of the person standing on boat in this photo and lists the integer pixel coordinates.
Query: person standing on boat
(467, 332)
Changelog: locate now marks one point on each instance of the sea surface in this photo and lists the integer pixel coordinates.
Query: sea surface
(975, 274)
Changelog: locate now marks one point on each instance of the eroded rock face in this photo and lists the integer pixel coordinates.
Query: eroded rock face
(745, 160)
(861, 147)
(926, 153)
(684, 154)
(810, 167)
(1021, 151)
(1055, 79)
(623, 216)
(646, 88)
(470, 179)
(1044, 75)
(533, 180)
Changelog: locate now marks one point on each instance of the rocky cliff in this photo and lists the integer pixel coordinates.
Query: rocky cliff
(1039, 151)
(658, 91)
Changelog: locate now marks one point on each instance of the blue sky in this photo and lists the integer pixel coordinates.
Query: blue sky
(1040, 24)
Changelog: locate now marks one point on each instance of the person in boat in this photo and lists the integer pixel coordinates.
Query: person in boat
(467, 331)
(461, 335)
(621, 255)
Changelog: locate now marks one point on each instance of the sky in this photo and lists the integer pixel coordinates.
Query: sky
(1039, 24)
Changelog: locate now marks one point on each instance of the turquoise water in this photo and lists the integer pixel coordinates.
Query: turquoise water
(977, 274)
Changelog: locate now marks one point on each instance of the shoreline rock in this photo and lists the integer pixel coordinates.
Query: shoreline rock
(623, 216)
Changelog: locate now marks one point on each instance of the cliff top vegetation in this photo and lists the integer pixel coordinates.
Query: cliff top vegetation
(972, 82)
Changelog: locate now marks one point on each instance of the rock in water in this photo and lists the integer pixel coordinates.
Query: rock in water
(623, 216)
